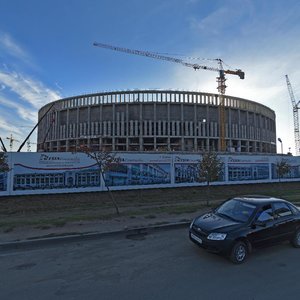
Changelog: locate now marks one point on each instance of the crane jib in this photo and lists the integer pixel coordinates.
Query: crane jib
(154, 55)
(220, 80)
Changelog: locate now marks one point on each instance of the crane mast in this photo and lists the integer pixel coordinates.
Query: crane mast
(295, 115)
(11, 141)
(220, 79)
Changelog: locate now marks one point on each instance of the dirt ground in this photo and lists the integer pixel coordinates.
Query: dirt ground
(98, 226)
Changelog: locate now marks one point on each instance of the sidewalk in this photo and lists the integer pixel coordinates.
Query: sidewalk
(95, 228)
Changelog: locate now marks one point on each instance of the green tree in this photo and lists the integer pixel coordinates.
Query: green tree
(282, 168)
(105, 161)
(210, 169)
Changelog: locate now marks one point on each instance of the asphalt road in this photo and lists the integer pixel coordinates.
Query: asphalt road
(162, 265)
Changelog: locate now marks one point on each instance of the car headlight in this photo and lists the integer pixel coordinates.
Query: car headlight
(215, 236)
(192, 223)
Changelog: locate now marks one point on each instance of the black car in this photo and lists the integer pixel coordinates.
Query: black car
(243, 223)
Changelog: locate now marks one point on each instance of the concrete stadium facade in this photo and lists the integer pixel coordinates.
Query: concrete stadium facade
(155, 120)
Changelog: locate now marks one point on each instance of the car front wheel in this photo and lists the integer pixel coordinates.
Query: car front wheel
(239, 252)
(296, 239)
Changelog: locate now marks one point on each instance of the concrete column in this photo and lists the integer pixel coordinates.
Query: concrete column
(109, 127)
(247, 131)
(104, 128)
(145, 127)
(164, 127)
(100, 124)
(92, 129)
(154, 126)
(122, 125)
(173, 128)
(57, 123)
(113, 131)
(182, 126)
(177, 128)
(136, 128)
(168, 126)
(117, 133)
(84, 129)
(88, 127)
(67, 122)
(195, 127)
(206, 128)
(127, 127)
(186, 128)
(141, 127)
(89, 121)
(131, 128)
(77, 125)
(150, 127)
(159, 128)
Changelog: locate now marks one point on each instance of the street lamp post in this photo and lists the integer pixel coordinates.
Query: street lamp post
(280, 141)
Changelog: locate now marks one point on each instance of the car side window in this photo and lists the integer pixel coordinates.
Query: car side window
(281, 210)
(293, 209)
(265, 214)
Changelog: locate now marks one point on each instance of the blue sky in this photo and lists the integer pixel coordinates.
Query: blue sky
(46, 52)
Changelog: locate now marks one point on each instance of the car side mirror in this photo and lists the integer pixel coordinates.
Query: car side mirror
(259, 224)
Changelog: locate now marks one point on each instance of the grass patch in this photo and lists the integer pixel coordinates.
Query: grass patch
(45, 211)
(43, 227)
(59, 223)
(161, 223)
(150, 217)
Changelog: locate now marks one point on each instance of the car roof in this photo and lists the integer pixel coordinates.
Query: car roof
(259, 199)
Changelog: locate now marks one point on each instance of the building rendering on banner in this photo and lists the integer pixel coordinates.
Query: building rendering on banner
(155, 120)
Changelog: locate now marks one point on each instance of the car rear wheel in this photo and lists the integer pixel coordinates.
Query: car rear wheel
(239, 252)
(296, 239)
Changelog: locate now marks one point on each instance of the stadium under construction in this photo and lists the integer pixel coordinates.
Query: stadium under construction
(156, 120)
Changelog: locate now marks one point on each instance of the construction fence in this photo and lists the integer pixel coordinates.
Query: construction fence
(66, 172)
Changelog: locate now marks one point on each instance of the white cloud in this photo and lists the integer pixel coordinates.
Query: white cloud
(25, 113)
(31, 91)
(21, 96)
(11, 47)
(6, 126)
(58, 86)
(221, 18)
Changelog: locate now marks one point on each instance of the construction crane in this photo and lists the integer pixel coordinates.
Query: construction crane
(295, 115)
(220, 79)
(11, 141)
(29, 143)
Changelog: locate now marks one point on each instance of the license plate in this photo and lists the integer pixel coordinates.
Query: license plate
(196, 238)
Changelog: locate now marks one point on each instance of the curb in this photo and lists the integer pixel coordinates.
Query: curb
(129, 233)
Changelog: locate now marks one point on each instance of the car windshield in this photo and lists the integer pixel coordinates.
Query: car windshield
(236, 210)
